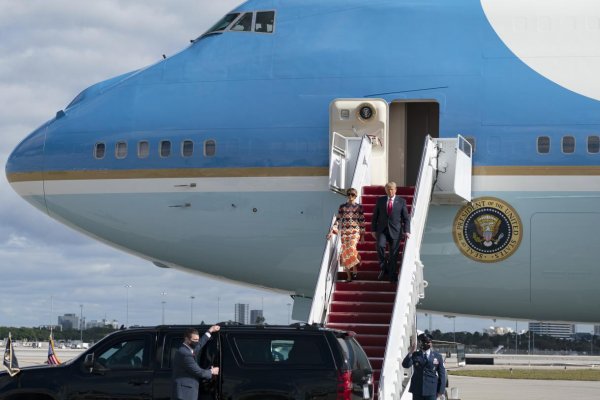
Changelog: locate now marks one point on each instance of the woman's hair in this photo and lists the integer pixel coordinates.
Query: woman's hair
(351, 191)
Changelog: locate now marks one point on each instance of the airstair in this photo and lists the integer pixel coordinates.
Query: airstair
(381, 313)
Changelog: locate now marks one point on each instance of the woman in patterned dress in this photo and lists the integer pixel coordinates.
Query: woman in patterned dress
(350, 222)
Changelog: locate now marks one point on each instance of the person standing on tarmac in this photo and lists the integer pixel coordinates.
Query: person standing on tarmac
(428, 381)
(186, 372)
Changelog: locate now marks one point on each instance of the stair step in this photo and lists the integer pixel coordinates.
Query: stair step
(380, 190)
(362, 317)
(363, 297)
(366, 286)
(349, 307)
(368, 202)
(371, 340)
(373, 265)
(361, 329)
(376, 374)
(369, 215)
(376, 362)
(374, 351)
(366, 276)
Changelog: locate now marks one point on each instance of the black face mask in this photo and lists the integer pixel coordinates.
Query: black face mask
(425, 346)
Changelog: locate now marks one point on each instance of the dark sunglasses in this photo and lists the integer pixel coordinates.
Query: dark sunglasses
(351, 194)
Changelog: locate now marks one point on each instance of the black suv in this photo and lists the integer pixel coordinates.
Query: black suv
(256, 362)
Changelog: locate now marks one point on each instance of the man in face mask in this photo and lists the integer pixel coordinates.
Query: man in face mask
(428, 380)
(186, 372)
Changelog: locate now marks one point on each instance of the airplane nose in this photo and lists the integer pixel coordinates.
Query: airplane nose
(25, 168)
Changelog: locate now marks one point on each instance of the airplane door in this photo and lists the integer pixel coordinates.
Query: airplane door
(342, 161)
(349, 121)
(410, 121)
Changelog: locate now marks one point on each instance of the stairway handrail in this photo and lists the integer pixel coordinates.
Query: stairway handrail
(325, 281)
(410, 285)
(330, 260)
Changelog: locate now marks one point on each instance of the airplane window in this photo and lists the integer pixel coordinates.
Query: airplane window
(265, 20)
(121, 150)
(223, 23)
(568, 144)
(165, 148)
(143, 149)
(99, 150)
(543, 144)
(187, 148)
(243, 24)
(210, 148)
(593, 144)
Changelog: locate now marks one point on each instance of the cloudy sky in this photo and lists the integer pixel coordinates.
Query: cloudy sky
(51, 50)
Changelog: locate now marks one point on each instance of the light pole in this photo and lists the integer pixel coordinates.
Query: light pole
(516, 337)
(192, 310)
(81, 324)
(453, 318)
(289, 305)
(218, 309)
(163, 302)
(127, 287)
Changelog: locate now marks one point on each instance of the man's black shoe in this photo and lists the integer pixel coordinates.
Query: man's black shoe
(381, 276)
(394, 278)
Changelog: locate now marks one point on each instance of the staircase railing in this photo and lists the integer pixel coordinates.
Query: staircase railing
(410, 285)
(330, 260)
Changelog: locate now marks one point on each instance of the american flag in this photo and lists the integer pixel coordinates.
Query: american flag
(10, 359)
(52, 359)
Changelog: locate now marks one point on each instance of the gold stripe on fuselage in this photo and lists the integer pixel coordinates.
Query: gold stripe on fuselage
(570, 170)
(168, 173)
(539, 170)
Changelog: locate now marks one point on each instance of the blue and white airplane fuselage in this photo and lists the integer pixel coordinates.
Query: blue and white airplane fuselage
(248, 200)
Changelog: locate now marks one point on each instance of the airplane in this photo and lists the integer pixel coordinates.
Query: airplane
(216, 160)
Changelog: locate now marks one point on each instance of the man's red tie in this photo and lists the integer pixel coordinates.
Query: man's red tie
(390, 206)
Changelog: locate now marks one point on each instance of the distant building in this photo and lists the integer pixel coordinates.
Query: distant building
(596, 329)
(562, 331)
(51, 327)
(69, 321)
(498, 330)
(241, 313)
(103, 323)
(255, 315)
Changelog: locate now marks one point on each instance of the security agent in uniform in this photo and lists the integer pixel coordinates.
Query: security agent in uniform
(428, 381)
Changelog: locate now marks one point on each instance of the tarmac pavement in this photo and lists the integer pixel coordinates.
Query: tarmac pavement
(515, 389)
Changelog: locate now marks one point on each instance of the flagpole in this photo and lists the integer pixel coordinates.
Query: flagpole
(51, 312)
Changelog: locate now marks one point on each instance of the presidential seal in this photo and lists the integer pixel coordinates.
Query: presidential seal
(487, 230)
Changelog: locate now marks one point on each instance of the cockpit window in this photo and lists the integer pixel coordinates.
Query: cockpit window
(223, 23)
(265, 21)
(258, 21)
(244, 24)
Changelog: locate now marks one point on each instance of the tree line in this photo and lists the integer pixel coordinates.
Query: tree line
(477, 342)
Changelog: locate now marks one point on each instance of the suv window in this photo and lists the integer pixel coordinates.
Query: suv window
(357, 358)
(284, 349)
(126, 354)
(172, 345)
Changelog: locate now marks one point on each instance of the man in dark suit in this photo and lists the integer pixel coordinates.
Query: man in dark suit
(389, 224)
(428, 381)
(186, 372)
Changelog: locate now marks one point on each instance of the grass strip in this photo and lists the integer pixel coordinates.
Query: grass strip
(539, 374)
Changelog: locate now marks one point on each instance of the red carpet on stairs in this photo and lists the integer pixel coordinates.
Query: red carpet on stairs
(365, 305)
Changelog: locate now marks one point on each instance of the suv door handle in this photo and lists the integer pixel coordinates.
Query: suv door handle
(139, 383)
